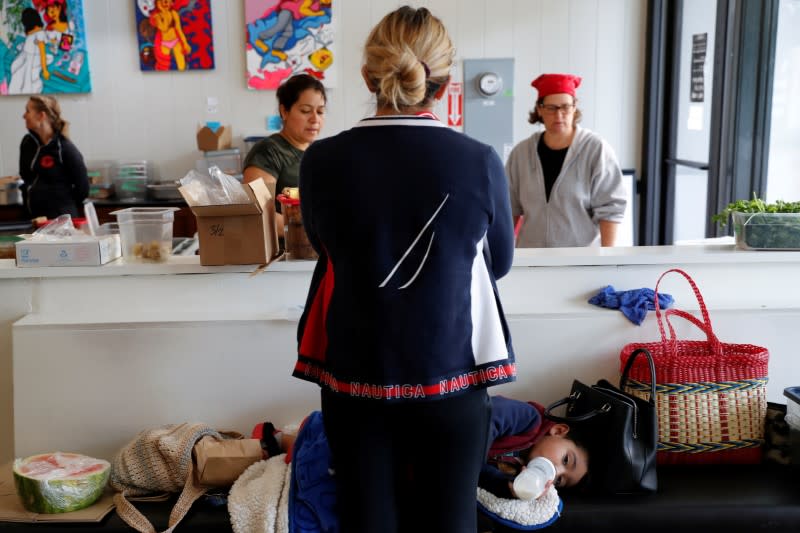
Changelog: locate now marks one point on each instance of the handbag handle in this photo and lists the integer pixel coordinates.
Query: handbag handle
(606, 407)
(578, 418)
(623, 380)
(705, 326)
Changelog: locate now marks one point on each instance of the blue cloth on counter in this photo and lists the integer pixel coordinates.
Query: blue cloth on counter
(634, 303)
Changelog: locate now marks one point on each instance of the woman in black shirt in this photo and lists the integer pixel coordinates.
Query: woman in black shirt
(51, 167)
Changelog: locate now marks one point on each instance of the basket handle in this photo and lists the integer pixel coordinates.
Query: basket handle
(712, 338)
(706, 324)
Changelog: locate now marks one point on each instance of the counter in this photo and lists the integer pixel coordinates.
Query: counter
(102, 352)
(184, 225)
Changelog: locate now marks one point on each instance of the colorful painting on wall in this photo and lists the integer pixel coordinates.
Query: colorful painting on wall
(175, 34)
(43, 47)
(286, 37)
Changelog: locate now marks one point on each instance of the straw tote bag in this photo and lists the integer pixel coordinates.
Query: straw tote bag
(711, 396)
(158, 460)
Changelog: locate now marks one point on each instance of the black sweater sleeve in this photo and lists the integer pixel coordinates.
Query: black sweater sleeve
(75, 170)
(26, 151)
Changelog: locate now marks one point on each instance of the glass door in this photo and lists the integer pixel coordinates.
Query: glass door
(784, 139)
(687, 155)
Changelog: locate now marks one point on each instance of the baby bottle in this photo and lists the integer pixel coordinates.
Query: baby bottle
(530, 483)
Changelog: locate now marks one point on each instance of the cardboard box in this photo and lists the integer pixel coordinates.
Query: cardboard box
(237, 234)
(209, 140)
(219, 463)
(91, 252)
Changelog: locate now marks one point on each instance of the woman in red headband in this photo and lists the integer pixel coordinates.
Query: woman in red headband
(565, 181)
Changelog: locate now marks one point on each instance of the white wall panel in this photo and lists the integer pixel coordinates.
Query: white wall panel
(499, 39)
(528, 44)
(136, 115)
(583, 51)
(555, 53)
(609, 75)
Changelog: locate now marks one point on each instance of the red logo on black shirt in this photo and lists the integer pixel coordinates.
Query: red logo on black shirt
(47, 161)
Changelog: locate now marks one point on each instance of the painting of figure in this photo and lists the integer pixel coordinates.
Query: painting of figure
(43, 47)
(286, 37)
(175, 34)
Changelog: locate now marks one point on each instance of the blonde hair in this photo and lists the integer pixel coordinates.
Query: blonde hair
(52, 110)
(407, 58)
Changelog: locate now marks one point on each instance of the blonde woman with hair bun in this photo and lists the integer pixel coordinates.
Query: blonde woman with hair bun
(51, 166)
(403, 330)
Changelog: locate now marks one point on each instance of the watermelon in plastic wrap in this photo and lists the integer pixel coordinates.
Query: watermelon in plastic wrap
(59, 482)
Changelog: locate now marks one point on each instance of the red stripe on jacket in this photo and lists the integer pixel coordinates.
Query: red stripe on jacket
(314, 343)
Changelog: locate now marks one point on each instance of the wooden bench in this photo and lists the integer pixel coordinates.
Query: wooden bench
(714, 498)
(706, 498)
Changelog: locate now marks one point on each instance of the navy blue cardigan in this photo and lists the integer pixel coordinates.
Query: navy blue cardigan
(412, 223)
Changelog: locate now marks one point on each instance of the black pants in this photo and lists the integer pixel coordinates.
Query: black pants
(407, 467)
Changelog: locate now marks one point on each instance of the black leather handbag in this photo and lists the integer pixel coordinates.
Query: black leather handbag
(622, 431)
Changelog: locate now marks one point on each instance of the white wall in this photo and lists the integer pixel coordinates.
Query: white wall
(135, 115)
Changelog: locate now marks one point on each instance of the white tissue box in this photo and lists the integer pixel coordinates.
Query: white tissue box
(94, 251)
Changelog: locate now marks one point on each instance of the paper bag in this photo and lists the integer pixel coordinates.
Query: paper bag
(221, 462)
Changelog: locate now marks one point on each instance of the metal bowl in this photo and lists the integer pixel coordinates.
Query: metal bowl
(164, 191)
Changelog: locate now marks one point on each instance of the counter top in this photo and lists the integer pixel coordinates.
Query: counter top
(647, 255)
(138, 202)
(523, 258)
(176, 264)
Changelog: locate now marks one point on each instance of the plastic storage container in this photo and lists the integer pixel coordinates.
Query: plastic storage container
(8, 248)
(101, 185)
(295, 238)
(767, 231)
(130, 179)
(531, 482)
(99, 172)
(146, 233)
(10, 192)
(251, 141)
(228, 161)
(793, 419)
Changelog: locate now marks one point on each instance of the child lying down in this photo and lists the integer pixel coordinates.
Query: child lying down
(295, 492)
(518, 433)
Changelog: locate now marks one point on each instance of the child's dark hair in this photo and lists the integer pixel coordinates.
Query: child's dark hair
(581, 437)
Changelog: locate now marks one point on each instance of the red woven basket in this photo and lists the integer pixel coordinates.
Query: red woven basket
(711, 396)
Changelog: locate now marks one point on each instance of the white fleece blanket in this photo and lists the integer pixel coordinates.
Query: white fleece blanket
(522, 514)
(258, 502)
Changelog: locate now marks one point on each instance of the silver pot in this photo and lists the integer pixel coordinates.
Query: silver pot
(10, 193)
(164, 191)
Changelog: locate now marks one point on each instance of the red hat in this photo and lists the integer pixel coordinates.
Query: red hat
(548, 84)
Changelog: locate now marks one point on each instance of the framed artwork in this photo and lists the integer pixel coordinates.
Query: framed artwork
(174, 34)
(43, 47)
(286, 37)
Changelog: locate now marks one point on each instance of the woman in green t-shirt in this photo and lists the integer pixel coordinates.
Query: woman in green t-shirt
(301, 104)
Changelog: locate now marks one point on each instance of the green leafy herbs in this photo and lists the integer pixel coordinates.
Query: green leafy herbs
(756, 205)
(759, 225)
